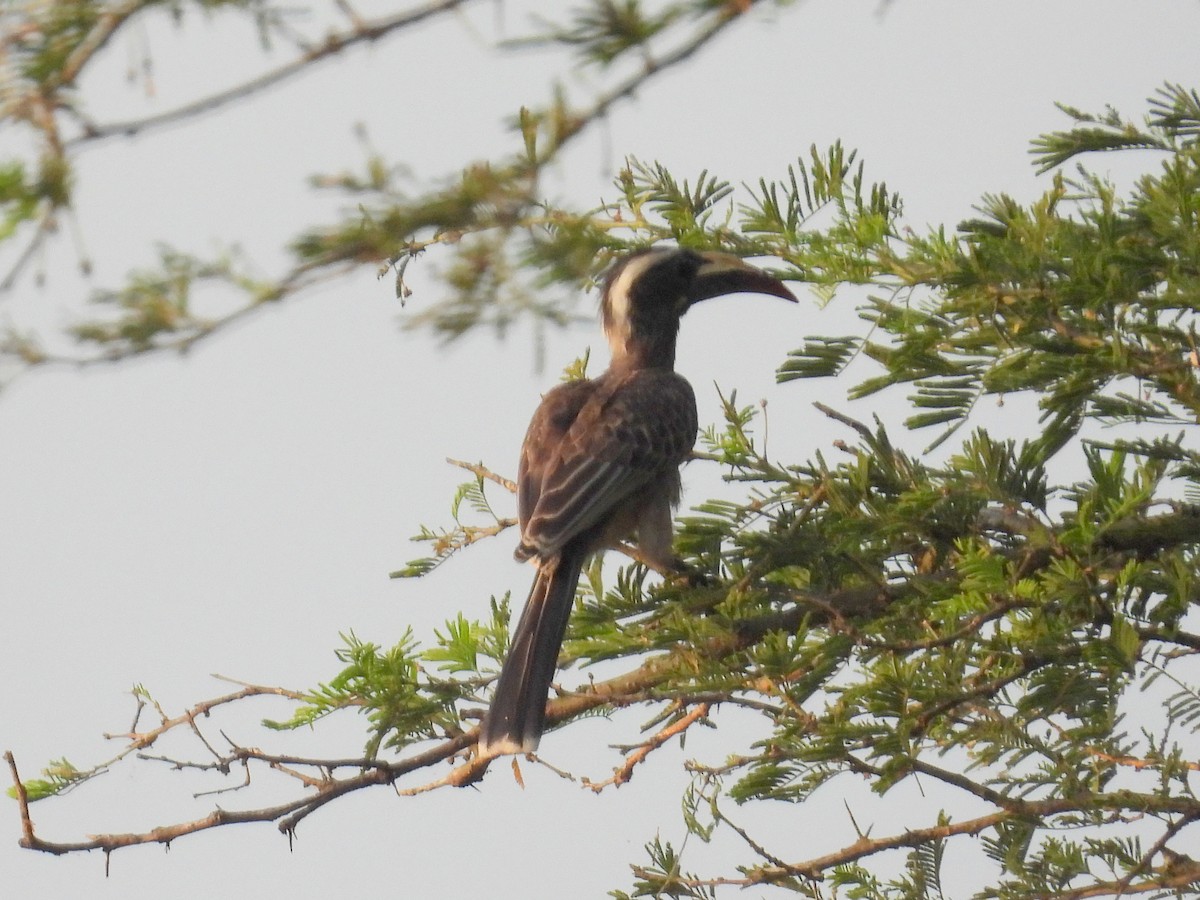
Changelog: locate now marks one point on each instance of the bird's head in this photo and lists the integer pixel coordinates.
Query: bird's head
(647, 292)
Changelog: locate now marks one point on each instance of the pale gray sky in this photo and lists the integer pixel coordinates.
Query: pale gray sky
(233, 511)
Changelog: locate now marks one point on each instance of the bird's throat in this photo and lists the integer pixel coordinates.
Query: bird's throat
(634, 347)
(635, 354)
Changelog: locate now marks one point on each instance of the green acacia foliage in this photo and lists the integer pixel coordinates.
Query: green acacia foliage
(968, 621)
(1020, 643)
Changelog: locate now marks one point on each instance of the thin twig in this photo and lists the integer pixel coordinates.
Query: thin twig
(481, 471)
(623, 773)
(845, 420)
(333, 44)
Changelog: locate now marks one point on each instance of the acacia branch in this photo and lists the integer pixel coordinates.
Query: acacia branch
(720, 20)
(288, 815)
(481, 471)
(1180, 872)
(1160, 846)
(865, 846)
(635, 686)
(1181, 875)
(812, 869)
(363, 32)
(107, 24)
(191, 332)
(623, 690)
(624, 772)
(1152, 534)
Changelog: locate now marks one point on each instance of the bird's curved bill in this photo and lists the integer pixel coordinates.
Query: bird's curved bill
(724, 273)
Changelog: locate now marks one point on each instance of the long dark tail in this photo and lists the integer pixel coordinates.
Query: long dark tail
(518, 713)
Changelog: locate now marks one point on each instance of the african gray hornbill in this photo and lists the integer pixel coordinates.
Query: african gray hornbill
(601, 461)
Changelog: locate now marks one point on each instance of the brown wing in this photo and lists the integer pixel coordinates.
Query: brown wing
(625, 430)
(550, 423)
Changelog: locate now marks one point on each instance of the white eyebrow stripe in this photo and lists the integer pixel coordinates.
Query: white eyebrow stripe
(618, 294)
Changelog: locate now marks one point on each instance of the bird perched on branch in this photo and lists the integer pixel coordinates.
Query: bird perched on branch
(601, 461)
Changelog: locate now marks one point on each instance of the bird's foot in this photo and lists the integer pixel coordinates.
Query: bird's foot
(679, 572)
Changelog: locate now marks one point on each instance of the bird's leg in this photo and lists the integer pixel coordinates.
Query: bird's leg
(655, 543)
(673, 568)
